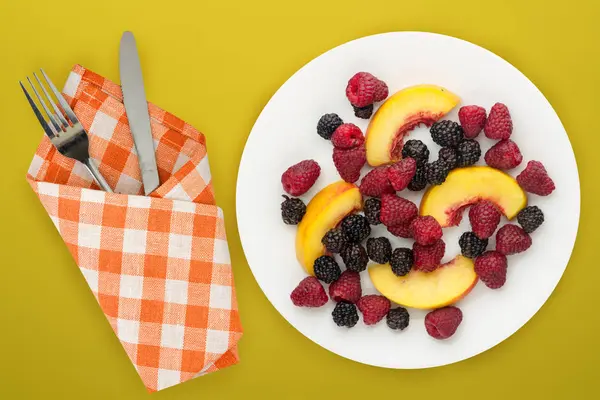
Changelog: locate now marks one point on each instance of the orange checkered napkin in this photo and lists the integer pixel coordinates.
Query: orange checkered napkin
(159, 266)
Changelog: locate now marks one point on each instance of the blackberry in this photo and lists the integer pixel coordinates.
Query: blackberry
(401, 261)
(436, 172)
(447, 133)
(327, 124)
(471, 246)
(372, 210)
(449, 156)
(363, 112)
(334, 240)
(345, 314)
(292, 210)
(397, 318)
(356, 228)
(419, 181)
(469, 152)
(379, 249)
(327, 269)
(417, 150)
(355, 257)
(530, 218)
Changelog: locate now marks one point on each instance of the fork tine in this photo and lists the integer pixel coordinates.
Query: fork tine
(63, 103)
(45, 107)
(57, 113)
(38, 114)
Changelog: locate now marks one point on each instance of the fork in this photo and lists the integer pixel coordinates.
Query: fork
(63, 129)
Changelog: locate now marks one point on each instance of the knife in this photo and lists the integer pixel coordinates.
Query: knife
(136, 108)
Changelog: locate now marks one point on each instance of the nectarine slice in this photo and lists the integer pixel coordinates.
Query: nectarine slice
(426, 290)
(465, 186)
(323, 213)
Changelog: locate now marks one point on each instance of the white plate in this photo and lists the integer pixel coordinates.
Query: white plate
(285, 133)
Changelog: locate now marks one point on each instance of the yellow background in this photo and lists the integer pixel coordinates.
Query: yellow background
(216, 64)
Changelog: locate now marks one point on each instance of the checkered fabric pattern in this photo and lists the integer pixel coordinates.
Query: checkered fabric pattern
(159, 266)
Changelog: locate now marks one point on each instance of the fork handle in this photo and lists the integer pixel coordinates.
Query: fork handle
(97, 175)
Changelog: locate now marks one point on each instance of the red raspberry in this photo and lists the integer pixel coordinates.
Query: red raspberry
(499, 124)
(297, 179)
(535, 179)
(426, 230)
(428, 258)
(504, 155)
(347, 136)
(346, 288)
(349, 162)
(512, 239)
(472, 120)
(364, 89)
(490, 267)
(401, 173)
(402, 231)
(309, 293)
(373, 308)
(484, 217)
(442, 323)
(376, 183)
(396, 210)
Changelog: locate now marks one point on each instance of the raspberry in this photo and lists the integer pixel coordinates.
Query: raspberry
(363, 112)
(469, 152)
(327, 124)
(471, 246)
(309, 293)
(356, 228)
(484, 218)
(443, 322)
(334, 240)
(504, 155)
(417, 150)
(349, 162)
(292, 210)
(428, 258)
(426, 230)
(347, 136)
(449, 156)
(490, 267)
(499, 124)
(397, 210)
(530, 218)
(299, 178)
(419, 181)
(534, 179)
(345, 314)
(401, 173)
(355, 257)
(397, 318)
(446, 133)
(436, 172)
(472, 120)
(512, 239)
(402, 230)
(373, 308)
(376, 182)
(327, 269)
(372, 209)
(379, 249)
(401, 261)
(364, 89)
(346, 288)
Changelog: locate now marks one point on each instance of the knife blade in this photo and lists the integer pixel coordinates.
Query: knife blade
(136, 107)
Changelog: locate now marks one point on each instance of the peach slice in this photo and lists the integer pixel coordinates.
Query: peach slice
(465, 186)
(324, 212)
(401, 113)
(426, 290)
